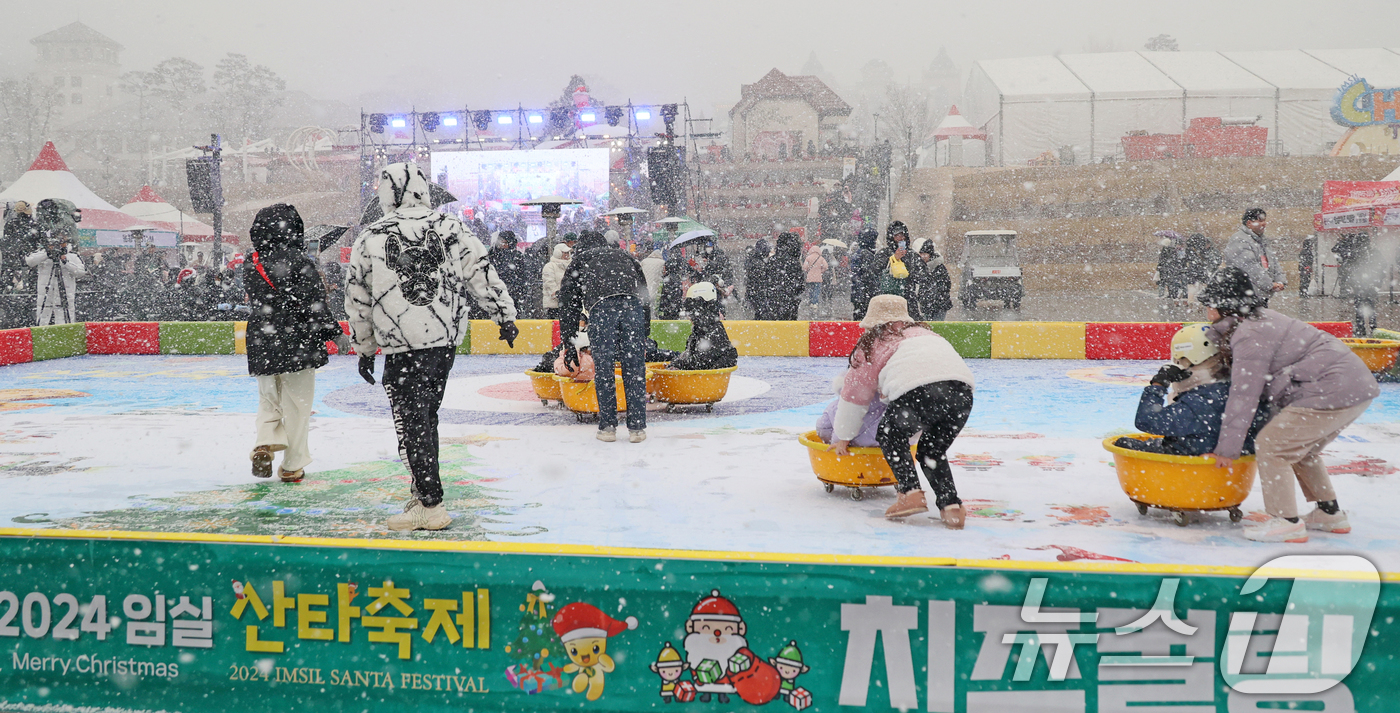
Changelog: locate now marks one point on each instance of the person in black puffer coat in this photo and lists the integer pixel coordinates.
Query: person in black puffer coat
(708, 346)
(288, 329)
(865, 279)
(786, 277)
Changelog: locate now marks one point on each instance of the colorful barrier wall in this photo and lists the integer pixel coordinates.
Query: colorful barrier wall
(973, 340)
(205, 622)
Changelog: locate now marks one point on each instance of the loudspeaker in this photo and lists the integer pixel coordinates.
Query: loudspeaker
(206, 188)
(666, 172)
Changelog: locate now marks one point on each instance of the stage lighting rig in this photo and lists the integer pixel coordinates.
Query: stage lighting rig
(449, 120)
(398, 122)
(430, 121)
(559, 117)
(482, 120)
(613, 114)
(377, 122)
(643, 115)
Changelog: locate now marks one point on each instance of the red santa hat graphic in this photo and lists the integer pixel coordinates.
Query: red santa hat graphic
(716, 607)
(585, 621)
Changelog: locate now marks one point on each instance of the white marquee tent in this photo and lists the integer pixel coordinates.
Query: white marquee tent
(1088, 102)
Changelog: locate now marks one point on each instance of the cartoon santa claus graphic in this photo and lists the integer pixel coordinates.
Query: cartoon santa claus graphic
(714, 633)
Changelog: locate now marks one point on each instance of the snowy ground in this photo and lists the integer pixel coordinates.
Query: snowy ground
(160, 443)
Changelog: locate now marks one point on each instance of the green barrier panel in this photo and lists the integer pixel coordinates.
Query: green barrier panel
(466, 346)
(671, 334)
(56, 341)
(973, 340)
(1391, 375)
(196, 338)
(205, 625)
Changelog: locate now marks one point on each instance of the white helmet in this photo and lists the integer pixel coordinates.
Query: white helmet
(1194, 343)
(702, 291)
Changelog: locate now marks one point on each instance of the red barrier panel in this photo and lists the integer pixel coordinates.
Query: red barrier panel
(123, 337)
(16, 346)
(832, 339)
(557, 339)
(1336, 329)
(1129, 340)
(331, 349)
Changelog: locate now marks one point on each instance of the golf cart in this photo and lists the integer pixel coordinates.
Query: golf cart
(991, 269)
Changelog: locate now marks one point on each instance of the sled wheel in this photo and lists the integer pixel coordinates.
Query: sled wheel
(1235, 514)
(670, 408)
(1142, 508)
(829, 487)
(709, 408)
(578, 417)
(1180, 518)
(856, 494)
(544, 402)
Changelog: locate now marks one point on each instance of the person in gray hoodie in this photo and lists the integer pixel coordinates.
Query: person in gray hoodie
(1249, 252)
(1313, 386)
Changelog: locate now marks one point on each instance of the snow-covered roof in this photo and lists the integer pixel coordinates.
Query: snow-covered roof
(49, 177)
(1296, 74)
(1380, 67)
(75, 32)
(1033, 78)
(1120, 75)
(1209, 74)
(149, 207)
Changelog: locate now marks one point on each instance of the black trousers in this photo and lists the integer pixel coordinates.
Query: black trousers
(415, 382)
(940, 410)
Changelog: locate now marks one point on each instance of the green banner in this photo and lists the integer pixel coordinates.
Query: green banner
(205, 625)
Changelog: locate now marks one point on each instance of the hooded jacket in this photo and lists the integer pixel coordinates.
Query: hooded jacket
(1251, 253)
(653, 266)
(552, 277)
(708, 346)
(1287, 362)
(290, 321)
(412, 272)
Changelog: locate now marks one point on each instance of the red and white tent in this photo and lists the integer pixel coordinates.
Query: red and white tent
(148, 207)
(102, 224)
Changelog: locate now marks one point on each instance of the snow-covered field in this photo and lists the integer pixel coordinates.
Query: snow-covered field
(160, 443)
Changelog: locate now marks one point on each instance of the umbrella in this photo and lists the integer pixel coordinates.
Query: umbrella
(834, 243)
(673, 219)
(326, 235)
(692, 235)
(437, 194)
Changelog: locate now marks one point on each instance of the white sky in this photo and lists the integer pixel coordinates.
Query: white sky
(452, 53)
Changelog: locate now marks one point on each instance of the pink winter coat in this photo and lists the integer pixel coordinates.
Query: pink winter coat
(814, 265)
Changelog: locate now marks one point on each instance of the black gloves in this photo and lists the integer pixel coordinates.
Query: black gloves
(508, 333)
(1170, 374)
(570, 356)
(367, 367)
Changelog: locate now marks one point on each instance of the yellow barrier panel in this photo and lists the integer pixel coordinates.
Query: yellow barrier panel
(240, 337)
(754, 338)
(536, 337)
(1037, 340)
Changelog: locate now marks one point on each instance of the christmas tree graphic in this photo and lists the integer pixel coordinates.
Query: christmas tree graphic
(537, 651)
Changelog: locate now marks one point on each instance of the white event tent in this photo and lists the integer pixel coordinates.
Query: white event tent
(1088, 102)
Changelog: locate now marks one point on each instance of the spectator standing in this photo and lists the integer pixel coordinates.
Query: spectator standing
(814, 268)
(512, 267)
(933, 286)
(756, 288)
(1249, 251)
(1307, 259)
(786, 277)
(653, 266)
(676, 275)
(1172, 264)
(57, 265)
(552, 277)
(865, 276)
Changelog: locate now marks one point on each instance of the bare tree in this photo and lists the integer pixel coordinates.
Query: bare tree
(906, 113)
(1161, 43)
(28, 110)
(248, 94)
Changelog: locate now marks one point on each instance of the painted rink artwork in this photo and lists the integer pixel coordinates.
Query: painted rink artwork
(160, 444)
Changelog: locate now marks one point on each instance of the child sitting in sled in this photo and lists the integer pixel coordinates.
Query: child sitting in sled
(584, 370)
(1185, 401)
(708, 346)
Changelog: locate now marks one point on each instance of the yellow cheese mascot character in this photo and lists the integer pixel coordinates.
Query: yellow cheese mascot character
(584, 629)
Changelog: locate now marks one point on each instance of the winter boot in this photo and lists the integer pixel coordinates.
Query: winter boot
(910, 503)
(1336, 524)
(954, 516)
(421, 518)
(607, 435)
(291, 476)
(1277, 529)
(636, 436)
(262, 462)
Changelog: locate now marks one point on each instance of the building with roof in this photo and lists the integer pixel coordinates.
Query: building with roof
(84, 67)
(1080, 106)
(780, 115)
